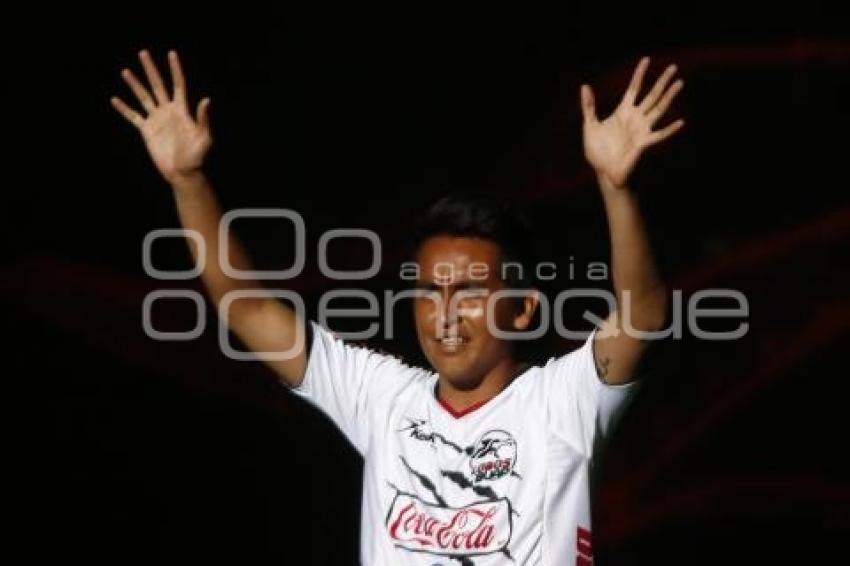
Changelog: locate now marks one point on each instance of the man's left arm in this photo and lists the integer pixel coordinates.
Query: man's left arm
(613, 147)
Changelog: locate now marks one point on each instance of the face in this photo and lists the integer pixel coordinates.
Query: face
(456, 276)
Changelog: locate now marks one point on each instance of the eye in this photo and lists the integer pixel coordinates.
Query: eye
(427, 291)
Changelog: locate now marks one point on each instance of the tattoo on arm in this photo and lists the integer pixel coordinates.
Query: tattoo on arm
(602, 368)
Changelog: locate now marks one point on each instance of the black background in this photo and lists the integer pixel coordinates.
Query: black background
(137, 451)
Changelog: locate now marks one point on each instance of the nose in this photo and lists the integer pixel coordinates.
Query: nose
(446, 319)
(454, 308)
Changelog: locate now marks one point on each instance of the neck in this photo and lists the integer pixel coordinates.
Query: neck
(491, 385)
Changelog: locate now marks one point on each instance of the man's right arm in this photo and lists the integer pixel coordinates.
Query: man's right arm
(177, 143)
(262, 323)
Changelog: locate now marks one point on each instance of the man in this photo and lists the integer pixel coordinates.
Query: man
(482, 461)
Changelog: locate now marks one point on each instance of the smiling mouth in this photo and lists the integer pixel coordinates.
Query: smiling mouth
(452, 343)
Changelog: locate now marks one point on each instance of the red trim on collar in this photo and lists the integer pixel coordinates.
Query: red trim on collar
(455, 413)
(466, 411)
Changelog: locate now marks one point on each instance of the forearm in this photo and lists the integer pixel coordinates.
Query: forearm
(199, 210)
(633, 264)
(263, 323)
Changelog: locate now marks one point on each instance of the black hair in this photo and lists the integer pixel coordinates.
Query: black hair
(483, 216)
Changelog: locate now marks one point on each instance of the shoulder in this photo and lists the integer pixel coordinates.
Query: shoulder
(374, 363)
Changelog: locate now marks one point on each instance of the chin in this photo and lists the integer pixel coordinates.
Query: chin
(461, 377)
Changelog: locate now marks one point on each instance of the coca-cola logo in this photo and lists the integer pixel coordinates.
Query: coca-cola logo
(481, 528)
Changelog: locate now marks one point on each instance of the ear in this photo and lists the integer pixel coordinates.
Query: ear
(530, 302)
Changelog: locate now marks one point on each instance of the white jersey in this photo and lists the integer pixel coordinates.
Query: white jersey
(503, 483)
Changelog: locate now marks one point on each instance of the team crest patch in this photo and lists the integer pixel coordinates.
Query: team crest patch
(493, 456)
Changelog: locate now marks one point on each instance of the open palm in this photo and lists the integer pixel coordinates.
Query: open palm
(177, 141)
(614, 145)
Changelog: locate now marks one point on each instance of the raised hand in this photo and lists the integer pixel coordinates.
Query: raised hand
(614, 145)
(177, 141)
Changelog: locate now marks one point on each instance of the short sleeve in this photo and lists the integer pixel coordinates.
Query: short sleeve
(349, 383)
(582, 408)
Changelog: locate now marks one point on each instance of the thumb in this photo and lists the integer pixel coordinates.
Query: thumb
(203, 113)
(588, 104)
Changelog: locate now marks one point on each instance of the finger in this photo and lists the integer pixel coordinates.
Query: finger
(140, 91)
(177, 77)
(588, 104)
(131, 115)
(154, 77)
(637, 80)
(666, 132)
(659, 109)
(657, 90)
(203, 113)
